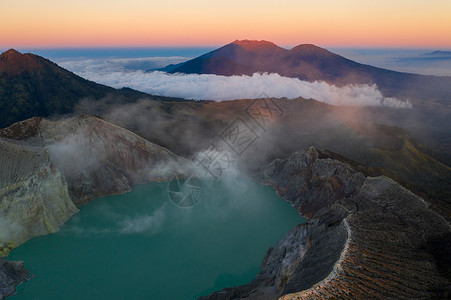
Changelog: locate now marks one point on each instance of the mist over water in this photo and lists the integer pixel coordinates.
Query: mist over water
(140, 245)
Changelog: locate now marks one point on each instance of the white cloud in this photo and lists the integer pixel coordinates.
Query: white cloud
(215, 87)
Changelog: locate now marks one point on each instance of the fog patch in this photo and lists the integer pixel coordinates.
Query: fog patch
(9, 230)
(74, 154)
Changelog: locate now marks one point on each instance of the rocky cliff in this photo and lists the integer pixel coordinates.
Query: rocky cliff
(34, 199)
(367, 237)
(96, 158)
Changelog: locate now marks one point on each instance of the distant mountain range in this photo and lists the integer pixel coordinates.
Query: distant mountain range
(311, 63)
(439, 53)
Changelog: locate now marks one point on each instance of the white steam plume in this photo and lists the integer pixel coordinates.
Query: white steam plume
(146, 223)
(9, 230)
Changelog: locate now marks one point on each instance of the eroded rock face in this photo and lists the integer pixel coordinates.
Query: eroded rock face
(366, 238)
(97, 158)
(48, 166)
(34, 198)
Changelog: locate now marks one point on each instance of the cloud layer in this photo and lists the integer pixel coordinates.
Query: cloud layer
(215, 87)
(103, 66)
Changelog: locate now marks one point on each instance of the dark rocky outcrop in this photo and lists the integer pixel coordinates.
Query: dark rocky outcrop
(367, 237)
(12, 273)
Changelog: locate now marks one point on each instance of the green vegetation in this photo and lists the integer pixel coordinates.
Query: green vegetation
(6, 248)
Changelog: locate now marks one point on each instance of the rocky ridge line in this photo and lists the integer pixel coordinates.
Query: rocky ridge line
(367, 237)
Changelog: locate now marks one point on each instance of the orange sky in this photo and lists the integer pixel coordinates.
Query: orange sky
(141, 23)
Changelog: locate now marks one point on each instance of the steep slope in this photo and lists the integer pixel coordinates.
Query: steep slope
(97, 158)
(366, 237)
(31, 86)
(34, 199)
(236, 58)
(309, 62)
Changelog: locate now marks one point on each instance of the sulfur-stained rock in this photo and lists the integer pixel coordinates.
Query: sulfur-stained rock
(96, 158)
(34, 199)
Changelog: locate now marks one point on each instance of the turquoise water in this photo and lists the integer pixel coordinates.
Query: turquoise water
(140, 245)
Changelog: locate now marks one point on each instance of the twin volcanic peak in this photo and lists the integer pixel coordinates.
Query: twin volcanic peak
(249, 56)
(312, 63)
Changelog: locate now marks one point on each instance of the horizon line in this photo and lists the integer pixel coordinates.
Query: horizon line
(143, 47)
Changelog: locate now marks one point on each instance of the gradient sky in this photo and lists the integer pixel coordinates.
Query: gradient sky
(148, 23)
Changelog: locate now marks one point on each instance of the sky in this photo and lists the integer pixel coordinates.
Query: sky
(194, 23)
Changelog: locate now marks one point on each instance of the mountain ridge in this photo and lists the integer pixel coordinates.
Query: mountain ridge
(33, 86)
